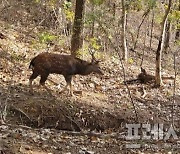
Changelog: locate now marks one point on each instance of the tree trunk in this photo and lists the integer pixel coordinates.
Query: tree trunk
(152, 28)
(93, 22)
(158, 78)
(114, 9)
(177, 35)
(77, 41)
(139, 27)
(124, 43)
(167, 36)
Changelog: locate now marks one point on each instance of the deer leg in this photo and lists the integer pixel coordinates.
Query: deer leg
(68, 81)
(64, 89)
(42, 82)
(32, 77)
(71, 89)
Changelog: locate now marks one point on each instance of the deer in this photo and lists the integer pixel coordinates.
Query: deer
(67, 65)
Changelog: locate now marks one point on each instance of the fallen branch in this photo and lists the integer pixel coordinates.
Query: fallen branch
(94, 134)
(17, 110)
(144, 77)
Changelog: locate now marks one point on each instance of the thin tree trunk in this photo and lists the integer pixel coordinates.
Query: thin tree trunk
(152, 27)
(137, 37)
(174, 89)
(114, 10)
(167, 36)
(93, 23)
(144, 46)
(124, 43)
(77, 41)
(158, 78)
(177, 35)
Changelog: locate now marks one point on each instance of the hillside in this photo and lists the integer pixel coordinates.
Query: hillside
(92, 121)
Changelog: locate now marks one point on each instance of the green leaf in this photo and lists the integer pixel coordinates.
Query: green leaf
(45, 37)
(97, 2)
(67, 5)
(175, 15)
(151, 3)
(69, 15)
(94, 44)
(130, 61)
(36, 1)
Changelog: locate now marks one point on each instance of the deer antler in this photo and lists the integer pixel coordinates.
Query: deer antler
(92, 52)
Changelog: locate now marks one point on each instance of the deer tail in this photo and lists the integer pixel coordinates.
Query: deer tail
(31, 65)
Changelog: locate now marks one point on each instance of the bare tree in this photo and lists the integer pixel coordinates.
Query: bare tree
(77, 41)
(167, 36)
(124, 44)
(93, 21)
(152, 28)
(177, 35)
(145, 15)
(158, 78)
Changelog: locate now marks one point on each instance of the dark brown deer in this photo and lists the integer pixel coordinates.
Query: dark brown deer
(67, 65)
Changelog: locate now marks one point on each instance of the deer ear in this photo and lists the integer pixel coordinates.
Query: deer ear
(95, 62)
(92, 61)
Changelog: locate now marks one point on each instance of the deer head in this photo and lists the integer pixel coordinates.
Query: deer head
(94, 65)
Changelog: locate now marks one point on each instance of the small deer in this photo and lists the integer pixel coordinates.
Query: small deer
(66, 65)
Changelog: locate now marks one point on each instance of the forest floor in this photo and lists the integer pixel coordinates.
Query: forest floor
(92, 121)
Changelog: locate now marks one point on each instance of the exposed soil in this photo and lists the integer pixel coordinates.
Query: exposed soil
(92, 121)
